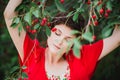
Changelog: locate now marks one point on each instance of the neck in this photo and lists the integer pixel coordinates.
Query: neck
(53, 58)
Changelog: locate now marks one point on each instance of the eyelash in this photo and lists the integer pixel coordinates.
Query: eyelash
(58, 34)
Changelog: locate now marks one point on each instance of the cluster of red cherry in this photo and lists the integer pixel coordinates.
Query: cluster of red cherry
(104, 12)
(43, 22)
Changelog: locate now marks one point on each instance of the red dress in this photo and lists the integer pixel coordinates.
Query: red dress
(80, 69)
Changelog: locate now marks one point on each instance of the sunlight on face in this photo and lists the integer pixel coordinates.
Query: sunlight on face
(58, 41)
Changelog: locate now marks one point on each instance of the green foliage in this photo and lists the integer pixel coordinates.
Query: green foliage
(48, 31)
(8, 54)
(76, 47)
(88, 36)
(75, 17)
(108, 67)
(59, 6)
(28, 18)
(36, 13)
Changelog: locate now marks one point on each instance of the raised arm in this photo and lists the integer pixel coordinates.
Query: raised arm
(9, 14)
(111, 42)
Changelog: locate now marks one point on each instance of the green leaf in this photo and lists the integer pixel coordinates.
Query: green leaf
(28, 18)
(24, 75)
(59, 6)
(87, 36)
(113, 23)
(107, 31)
(75, 17)
(20, 27)
(81, 10)
(76, 48)
(75, 32)
(70, 13)
(15, 68)
(36, 13)
(98, 8)
(16, 20)
(33, 4)
(95, 2)
(22, 8)
(32, 9)
(36, 26)
(109, 5)
(48, 31)
(69, 44)
(14, 25)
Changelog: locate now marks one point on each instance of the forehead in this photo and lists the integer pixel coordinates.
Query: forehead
(64, 30)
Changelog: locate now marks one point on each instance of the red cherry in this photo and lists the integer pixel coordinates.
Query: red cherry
(20, 79)
(101, 11)
(54, 29)
(94, 37)
(96, 23)
(27, 27)
(38, 3)
(62, 1)
(33, 31)
(88, 2)
(94, 16)
(42, 23)
(108, 11)
(35, 21)
(106, 15)
(44, 19)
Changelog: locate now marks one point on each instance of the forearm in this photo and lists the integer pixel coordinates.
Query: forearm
(10, 9)
(111, 42)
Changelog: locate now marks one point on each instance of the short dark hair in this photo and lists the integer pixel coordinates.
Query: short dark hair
(62, 18)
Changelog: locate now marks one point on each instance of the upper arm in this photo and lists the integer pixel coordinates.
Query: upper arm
(110, 43)
(18, 40)
(9, 14)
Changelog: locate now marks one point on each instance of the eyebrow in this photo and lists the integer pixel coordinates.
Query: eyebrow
(61, 32)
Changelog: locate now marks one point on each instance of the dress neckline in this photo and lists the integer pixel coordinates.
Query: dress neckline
(44, 65)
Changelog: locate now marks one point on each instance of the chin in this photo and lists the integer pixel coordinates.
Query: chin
(53, 50)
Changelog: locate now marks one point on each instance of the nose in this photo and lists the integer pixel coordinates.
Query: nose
(60, 41)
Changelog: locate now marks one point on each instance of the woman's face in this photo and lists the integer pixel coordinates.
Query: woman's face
(59, 39)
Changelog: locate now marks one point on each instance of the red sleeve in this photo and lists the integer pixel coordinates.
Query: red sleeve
(90, 55)
(31, 48)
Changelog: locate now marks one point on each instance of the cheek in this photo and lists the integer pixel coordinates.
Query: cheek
(50, 39)
(65, 46)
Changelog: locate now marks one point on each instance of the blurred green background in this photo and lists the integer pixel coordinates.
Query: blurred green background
(107, 69)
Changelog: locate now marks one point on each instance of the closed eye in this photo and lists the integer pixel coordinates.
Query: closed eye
(58, 32)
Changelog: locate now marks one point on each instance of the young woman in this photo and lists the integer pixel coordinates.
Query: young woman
(51, 63)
